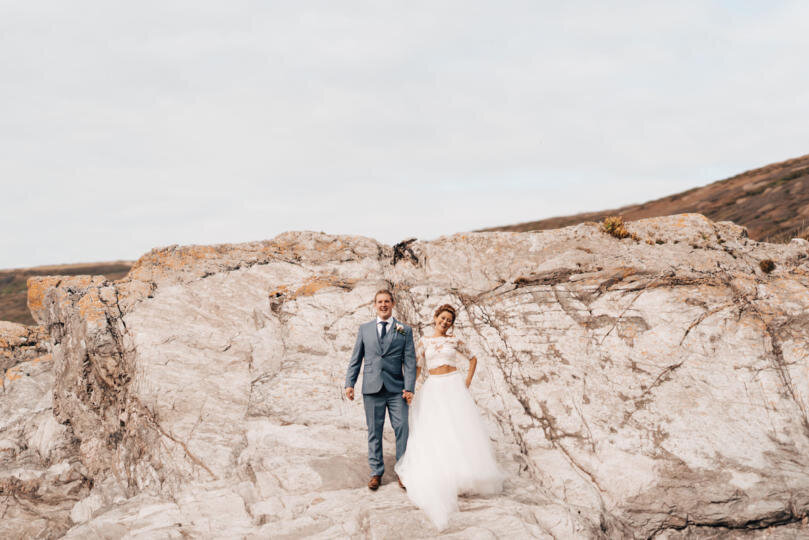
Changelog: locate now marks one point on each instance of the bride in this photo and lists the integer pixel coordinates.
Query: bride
(448, 451)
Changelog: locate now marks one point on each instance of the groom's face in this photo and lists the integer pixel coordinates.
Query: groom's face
(384, 305)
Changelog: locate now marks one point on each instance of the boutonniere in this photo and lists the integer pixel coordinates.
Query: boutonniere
(400, 329)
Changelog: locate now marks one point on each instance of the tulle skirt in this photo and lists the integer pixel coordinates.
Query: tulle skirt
(448, 450)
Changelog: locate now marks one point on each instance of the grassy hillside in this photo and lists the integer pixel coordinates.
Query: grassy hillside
(772, 202)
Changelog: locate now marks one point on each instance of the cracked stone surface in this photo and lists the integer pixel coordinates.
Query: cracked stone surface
(635, 388)
(19, 343)
(41, 475)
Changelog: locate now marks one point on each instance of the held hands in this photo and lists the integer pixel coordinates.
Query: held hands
(408, 396)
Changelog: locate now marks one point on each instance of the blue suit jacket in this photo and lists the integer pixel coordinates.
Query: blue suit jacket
(390, 361)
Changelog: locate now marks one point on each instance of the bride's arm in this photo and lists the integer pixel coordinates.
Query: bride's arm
(473, 362)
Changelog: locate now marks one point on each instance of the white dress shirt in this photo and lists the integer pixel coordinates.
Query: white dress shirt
(379, 326)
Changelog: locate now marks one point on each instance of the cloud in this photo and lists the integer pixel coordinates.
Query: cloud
(132, 126)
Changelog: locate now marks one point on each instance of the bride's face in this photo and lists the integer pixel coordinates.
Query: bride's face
(443, 322)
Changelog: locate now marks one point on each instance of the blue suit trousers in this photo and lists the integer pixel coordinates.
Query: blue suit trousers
(375, 406)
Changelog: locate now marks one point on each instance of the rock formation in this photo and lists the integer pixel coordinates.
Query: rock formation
(41, 476)
(20, 343)
(655, 386)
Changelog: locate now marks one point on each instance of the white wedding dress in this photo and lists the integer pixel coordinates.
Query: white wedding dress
(448, 449)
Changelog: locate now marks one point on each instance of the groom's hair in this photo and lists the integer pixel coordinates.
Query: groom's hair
(384, 291)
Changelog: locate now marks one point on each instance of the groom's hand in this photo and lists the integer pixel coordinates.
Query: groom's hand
(408, 396)
(350, 393)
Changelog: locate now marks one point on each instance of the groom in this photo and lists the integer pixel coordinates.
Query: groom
(388, 379)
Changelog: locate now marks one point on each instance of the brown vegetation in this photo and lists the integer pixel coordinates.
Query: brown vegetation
(615, 226)
(772, 202)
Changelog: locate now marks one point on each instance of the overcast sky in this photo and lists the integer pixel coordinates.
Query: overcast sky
(131, 125)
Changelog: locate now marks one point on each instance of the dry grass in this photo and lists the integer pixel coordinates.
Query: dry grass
(614, 226)
(799, 231)
(769, 201)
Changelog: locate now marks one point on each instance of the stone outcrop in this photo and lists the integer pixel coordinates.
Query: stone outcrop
(655, 386)
(20, 343)
(41, 475)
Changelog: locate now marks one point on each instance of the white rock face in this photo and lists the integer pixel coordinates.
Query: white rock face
(41, 476)
(632, 388)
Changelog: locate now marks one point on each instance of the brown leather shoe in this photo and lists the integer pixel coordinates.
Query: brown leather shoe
(373, 483)
(401, 485)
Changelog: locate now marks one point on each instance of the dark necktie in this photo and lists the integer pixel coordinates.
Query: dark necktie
(384, 329)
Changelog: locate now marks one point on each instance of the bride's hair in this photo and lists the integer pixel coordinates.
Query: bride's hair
(448, 308)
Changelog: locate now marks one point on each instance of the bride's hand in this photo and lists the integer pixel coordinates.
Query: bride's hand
(468, 382)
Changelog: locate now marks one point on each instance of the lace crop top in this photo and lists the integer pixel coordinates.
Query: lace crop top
(441, 351)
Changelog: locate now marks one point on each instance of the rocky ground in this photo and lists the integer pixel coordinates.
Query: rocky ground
(41, 475)
(655, 386)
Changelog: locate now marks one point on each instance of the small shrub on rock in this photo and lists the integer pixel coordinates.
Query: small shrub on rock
(767, 265)
(614, 225)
